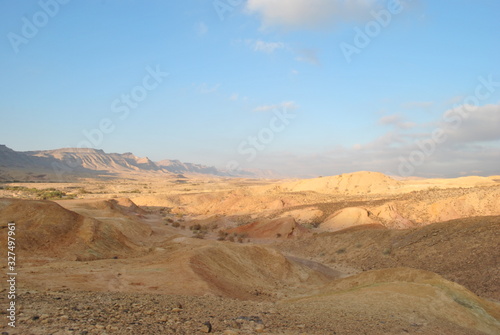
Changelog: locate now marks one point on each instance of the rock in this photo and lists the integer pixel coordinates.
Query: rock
(176, 310)
(259, 328)
(207, 327)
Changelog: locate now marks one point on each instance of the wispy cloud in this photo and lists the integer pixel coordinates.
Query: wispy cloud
(310, 13)
(308, 55)
(263, 46)
(397, 121)
(268, 108)
(470, 146)
(206, 88)
(471, 124)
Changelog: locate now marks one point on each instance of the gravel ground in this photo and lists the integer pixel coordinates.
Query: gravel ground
(80, 313)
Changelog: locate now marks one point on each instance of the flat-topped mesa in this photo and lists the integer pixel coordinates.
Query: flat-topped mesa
(90, 161)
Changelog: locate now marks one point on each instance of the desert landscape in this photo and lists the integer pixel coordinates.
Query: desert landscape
(239, 167)
(157, 252)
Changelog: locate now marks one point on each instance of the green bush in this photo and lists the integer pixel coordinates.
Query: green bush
(45, 194)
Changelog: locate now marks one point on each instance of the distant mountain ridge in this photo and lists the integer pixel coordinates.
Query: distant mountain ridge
(86, 161)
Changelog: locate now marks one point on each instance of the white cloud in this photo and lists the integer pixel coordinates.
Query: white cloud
(308, 56)
(469, 144)
(397, 121)
(268, 108)
(206, 88)
(266, 47)
(310, 13)
(469, 124)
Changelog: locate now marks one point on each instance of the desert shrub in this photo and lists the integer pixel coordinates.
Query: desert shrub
(341, 251)
(221, 235)
(82, 190)
(230, 238)
(132, 191)
(316, 223)
(176, 225)
(45, 194)
(51, 193)
(199, 234)
(195, 227)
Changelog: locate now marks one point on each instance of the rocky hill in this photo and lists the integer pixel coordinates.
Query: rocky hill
(86, 162)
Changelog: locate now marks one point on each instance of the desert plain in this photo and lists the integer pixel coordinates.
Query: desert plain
(357, 253)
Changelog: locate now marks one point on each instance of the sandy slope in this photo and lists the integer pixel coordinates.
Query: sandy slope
(285, 227)
(410, 293)
(348, 217)
(43, 228)
(464, 251)
(357, 183)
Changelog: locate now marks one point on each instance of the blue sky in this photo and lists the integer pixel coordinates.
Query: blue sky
(357, 92)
